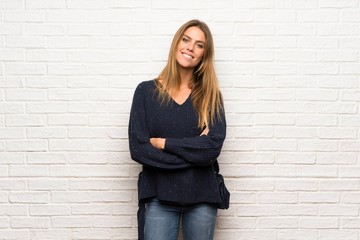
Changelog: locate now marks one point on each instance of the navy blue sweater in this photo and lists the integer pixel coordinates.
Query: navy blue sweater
(183, 173)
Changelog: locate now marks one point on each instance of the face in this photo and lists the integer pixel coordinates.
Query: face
(190, 49)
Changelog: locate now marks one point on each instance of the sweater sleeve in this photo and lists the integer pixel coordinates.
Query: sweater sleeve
(200, 150)
(140, 147)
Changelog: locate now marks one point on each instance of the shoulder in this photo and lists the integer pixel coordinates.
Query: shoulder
(148, 84)
(145, 88)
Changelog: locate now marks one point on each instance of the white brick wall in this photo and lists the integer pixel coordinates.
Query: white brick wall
(288, 69)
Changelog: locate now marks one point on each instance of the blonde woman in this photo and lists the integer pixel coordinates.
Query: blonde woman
(176, 131)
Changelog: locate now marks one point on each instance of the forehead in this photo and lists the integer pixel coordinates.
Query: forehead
(195, 33)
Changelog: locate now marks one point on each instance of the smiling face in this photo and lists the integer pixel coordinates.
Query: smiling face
(190, 49)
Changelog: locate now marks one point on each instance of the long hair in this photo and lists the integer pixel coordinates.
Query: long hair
(205, 93)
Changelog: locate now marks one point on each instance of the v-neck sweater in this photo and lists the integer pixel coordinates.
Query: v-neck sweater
(182, 173)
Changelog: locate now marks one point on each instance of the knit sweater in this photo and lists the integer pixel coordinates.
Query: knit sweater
(182, 173)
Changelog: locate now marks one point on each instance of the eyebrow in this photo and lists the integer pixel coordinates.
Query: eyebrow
(196, 40)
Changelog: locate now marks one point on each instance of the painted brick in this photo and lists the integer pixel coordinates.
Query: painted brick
(289, 74)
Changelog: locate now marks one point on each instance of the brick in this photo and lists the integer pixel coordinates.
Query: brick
(48, 184)
(27, 145)
(338, 108)
(256, 210)
(115, 196)
(252, 158)
(25, 42)
(28, 171)
(296, 29)
(237, 171)
(318, 15)
(338, 133)
(11, 81)
(277, 198)
(12, 55)
(90, 184)
(319, 223)
(89, 171)
(351, 15)
(25, 95)
(278, 222)
(46, 158)
(316, 171)
(349, 42)
(349, 145)
(317, 145)
(278, 145)
(276, 119)
(67, 42)
(319, 197)
(67, 197)
(96, 234)
(70, 222)
(67, 119)
(236, 223)
(34, 29)
(351, 198)
(47, 107)
(89, 107)
(12, 158)
(13, 184)
(95, 29)
(275, 171)
(278, 42)
(253, 133)
(52, 234)
(336, 158)
(13, 210)
(298, 4)
(45, 55)
(29, 197)
(118, 221)
(298, 210)
(250, 29)
(15, 234)
(93, 209)
(24, 16)
(45, 82)
(338, 4)
(343, 210)
(334, 234)
(49, 210)
(349, 172)
(294, 132)
(8, 4)
(43, 4)
(275, 69)
(90, 158)
(297, 185)
(30, 222)
(46, 133)
(11, 133)
(319, 42)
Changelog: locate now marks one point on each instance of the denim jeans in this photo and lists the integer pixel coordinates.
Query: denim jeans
(162, 221)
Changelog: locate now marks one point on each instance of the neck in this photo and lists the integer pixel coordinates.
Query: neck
(186, 76)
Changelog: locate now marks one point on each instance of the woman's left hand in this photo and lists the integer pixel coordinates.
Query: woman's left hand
(159, 143)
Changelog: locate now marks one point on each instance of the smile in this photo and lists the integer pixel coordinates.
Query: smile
(187, 56)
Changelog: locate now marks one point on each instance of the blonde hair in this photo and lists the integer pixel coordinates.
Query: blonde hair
(205, 94)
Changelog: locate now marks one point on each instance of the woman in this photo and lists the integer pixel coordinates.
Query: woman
(176, 131)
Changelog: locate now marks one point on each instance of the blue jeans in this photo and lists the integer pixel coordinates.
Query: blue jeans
(162, 221)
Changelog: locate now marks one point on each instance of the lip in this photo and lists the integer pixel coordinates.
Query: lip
(187, 55)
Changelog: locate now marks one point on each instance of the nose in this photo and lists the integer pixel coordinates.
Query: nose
(190, 46)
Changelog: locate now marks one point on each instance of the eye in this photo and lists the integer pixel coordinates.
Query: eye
(200, 45)
(185, 40)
